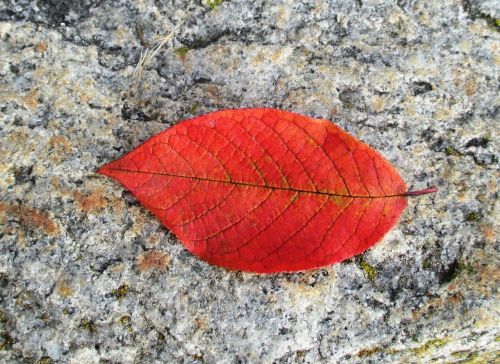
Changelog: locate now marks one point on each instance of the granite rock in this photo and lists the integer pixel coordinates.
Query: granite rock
(87, 275)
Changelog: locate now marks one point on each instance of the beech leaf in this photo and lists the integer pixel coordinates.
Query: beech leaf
(265, 190)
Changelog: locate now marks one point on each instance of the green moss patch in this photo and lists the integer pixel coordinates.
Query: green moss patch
(368, 270)
(214, 4)
(120, 292)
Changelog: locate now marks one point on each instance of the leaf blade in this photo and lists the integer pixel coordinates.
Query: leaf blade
(264, 190)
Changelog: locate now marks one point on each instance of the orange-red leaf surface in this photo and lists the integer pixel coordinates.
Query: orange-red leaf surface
(264, 190)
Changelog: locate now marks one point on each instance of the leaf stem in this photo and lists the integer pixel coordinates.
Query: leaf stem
(425, 191)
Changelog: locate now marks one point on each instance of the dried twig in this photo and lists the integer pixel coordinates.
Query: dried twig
(148, 54)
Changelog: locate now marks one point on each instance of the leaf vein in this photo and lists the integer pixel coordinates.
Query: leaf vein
(297, 231)
(246, 242)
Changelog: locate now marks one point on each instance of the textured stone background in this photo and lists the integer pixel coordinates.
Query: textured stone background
(87, 275)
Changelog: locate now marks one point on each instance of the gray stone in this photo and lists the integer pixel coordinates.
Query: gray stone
(88, 275)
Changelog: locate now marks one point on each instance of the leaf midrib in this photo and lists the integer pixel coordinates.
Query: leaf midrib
(245, 184)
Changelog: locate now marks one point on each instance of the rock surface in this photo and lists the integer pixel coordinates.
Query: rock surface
(88, 276)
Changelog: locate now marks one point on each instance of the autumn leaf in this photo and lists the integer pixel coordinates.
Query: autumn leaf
(265, 190)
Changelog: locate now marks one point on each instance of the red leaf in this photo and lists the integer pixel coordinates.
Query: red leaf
(265, 190)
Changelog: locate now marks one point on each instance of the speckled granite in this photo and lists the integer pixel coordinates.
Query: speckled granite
(88, 276)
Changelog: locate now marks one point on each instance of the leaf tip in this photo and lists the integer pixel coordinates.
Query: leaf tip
(101, 170)
(425, 191)
(105, 170)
